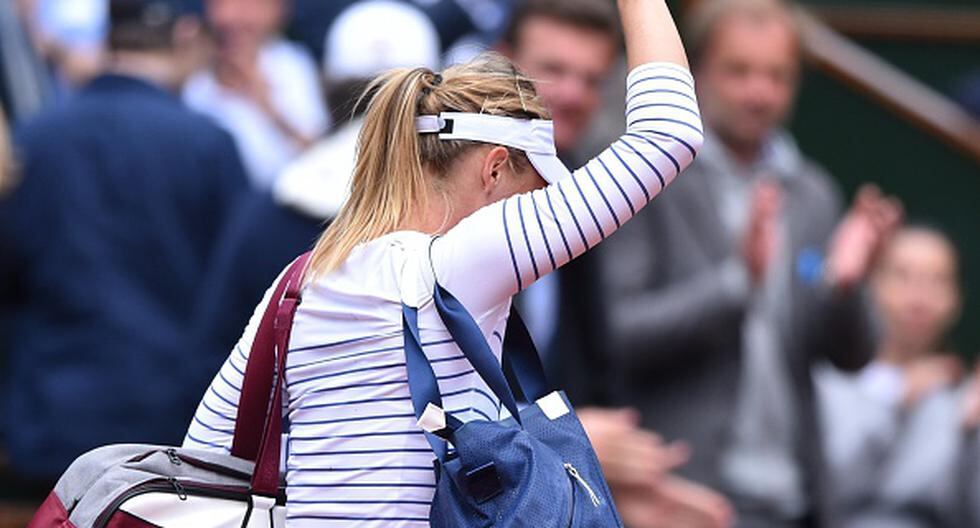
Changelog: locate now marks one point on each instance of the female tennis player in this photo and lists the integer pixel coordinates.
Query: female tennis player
(456, 180)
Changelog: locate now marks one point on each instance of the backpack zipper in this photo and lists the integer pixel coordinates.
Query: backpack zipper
(171, 485)
(571, 502)
(177, 458)
(173, 456)
(575, 475)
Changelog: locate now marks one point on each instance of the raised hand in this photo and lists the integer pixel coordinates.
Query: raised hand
(860, 236)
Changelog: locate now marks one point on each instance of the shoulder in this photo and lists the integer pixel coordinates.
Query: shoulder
(53, 123)
(393, 268)
(817, 177)
(201, 129)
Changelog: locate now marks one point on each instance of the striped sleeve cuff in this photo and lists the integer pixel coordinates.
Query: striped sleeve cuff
(652, 69)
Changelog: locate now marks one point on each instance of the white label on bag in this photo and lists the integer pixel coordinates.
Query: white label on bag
(553, 406)
(433, 418)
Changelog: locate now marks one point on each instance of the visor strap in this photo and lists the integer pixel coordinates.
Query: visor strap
(429, 124)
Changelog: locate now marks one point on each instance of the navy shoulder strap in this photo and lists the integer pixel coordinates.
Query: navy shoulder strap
(521, 361)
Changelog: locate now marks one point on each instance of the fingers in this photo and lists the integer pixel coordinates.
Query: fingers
(860, 237)
(629, 455)
(868, 195)
(711, 507)
(673, 456)
(640, 458)
(886, 215)
(884, 212)
(766, 199)
(970, 412)
(760, 240)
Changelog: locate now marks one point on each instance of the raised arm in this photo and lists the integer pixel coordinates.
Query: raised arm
(651, 35)
(504, 247)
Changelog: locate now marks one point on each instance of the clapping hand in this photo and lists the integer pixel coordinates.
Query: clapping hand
(760, 240)
(860, 235)
(629, 455)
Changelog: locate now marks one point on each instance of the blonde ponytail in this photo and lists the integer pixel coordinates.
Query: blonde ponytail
(389, 181)
(380, 199)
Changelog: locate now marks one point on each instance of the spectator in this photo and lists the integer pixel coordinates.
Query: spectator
(465, 27)
(570, 47)
(270, 229)
(712, 323)
(892, 430)
(106, 240)
(261, 88)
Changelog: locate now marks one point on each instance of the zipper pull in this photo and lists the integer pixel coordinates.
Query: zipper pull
(174, 458)
(181, 492)
(575, 475)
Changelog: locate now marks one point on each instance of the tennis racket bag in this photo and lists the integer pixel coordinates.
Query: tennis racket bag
(133, 486)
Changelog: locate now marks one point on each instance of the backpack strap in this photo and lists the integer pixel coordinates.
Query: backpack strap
(521, 361)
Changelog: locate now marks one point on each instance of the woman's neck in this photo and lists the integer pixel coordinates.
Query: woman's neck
(436, 217)
(900, 354)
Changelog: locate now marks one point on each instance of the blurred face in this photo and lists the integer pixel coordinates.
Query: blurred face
(191, 48)
(243, 25)
(569, 65)
(916, 290)
(747, 78)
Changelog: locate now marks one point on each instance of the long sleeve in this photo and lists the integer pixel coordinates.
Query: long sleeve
(504, 247)
(213, 425)
(843, 331)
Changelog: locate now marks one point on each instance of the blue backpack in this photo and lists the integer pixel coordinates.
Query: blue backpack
(536, 468)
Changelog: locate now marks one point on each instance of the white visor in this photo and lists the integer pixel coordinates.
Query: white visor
(535, 137)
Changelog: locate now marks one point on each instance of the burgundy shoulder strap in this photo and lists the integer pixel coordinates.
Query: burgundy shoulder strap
(255, 435)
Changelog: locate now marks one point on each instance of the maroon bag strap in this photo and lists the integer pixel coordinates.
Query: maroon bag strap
(258, 424)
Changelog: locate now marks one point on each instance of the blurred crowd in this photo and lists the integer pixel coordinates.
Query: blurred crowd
(755, 350)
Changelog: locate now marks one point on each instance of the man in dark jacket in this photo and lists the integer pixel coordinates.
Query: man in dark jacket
(122, 194)
(723, 294)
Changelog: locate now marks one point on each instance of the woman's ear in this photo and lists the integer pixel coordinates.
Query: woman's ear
(494, 165)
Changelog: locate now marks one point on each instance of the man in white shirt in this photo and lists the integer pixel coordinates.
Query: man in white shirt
(261, 88)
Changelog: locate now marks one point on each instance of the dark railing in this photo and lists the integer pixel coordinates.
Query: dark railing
(912, 23)
(890, 87)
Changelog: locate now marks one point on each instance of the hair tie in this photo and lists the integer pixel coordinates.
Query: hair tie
(437, 79)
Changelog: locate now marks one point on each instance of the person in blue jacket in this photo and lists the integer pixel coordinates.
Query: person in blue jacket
(121, 197)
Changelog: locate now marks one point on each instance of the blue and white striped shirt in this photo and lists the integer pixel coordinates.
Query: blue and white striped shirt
(355, 456)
